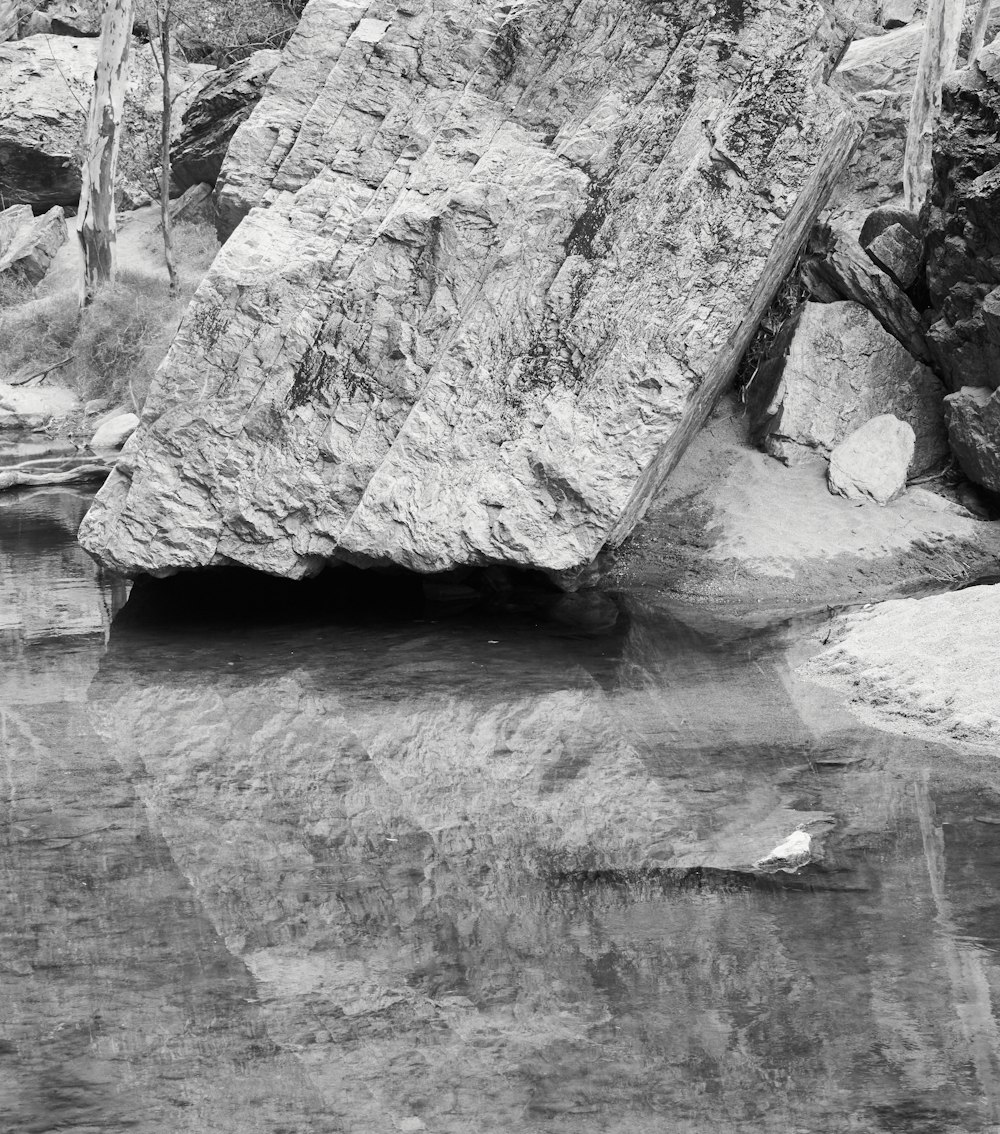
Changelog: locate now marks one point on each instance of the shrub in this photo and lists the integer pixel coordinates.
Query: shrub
(123, 337)
(38, 333)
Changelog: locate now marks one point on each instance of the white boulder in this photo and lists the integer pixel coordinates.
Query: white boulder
(872, 463)
(114, 432)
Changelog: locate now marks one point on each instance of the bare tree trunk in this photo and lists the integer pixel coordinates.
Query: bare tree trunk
(938, 56)
(979, 29)
(8, 20)
(166, 223)
(101, 144)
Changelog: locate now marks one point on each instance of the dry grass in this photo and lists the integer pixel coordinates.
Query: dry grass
(37, 333)
(116, 344)
(123, 337)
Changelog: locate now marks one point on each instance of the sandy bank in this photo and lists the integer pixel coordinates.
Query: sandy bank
(736, 527)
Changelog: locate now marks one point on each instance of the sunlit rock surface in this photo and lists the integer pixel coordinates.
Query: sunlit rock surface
(488, 280)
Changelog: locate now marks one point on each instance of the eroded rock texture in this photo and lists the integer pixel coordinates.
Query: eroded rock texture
(499, 280)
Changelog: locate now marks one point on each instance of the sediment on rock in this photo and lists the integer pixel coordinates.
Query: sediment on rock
(481, 321)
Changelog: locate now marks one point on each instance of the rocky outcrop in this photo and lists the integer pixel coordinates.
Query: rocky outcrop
(63, 17)
(963, 271)
(43, 103)
(500, 278)
(835, 267)
(973, 416)
(27, 245)
(879, 72)
(44, 97)
(834, 368)
(893, 240)
(899, 13)
(872, 462)
(208, 125)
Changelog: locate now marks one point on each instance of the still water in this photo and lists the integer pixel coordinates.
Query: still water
(384, 860)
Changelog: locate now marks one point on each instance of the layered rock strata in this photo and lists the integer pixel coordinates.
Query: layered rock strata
(492, 274)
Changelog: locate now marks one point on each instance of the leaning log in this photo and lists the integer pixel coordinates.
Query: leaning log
(938, 56)
(101, 144)
(812, 199)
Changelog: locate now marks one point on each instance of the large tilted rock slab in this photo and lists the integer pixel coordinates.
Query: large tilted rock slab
(498, 282)
(835, 369)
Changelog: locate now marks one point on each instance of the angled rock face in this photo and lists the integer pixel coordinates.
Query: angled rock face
(836, 268)
(42, 110)
(835, 370)
(488, 283)
(879, 72)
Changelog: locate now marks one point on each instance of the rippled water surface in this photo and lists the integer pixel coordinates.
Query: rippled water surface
(385, 860)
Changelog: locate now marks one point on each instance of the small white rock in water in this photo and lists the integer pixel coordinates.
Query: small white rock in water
(873, 461)
(794, 852)
(114, 433)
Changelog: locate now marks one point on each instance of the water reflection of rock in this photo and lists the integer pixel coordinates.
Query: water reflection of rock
(122, 1010)
(369, 818)
(54, 606)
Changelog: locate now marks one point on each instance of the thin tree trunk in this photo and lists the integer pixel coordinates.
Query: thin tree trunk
(979, 29)
(166, 223)
(101, 144)
(938, 56)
